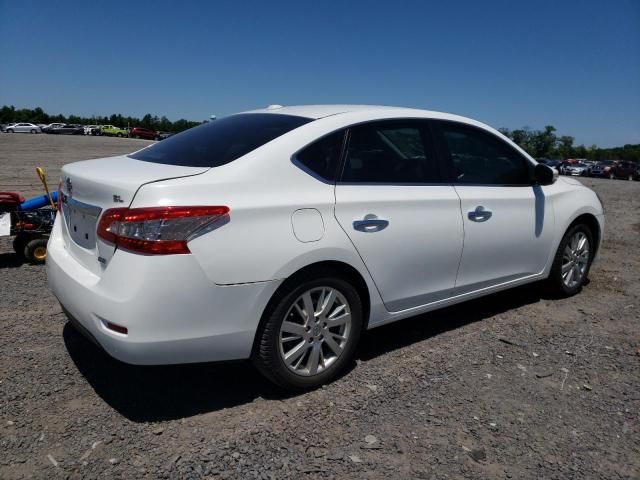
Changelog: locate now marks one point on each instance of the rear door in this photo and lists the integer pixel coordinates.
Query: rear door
(403, 221)
(508, 222)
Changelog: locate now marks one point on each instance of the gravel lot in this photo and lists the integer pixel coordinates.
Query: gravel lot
(515, 385)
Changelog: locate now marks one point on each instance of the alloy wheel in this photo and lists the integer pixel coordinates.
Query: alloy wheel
(575, 259)
(315, 331)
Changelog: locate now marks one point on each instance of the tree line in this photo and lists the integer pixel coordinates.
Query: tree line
(537, 143)
(547, 144)
(9, 114)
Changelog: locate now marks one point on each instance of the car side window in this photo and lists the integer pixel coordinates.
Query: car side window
(389, 152)
(322, 157)
(477, 157)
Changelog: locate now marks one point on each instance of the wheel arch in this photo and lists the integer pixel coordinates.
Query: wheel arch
(592, 222)
(326, 267)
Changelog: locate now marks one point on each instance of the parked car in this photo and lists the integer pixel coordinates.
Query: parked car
(23, 128)
(68, 130)
(88, 129)
(626, 170)
(602, 169)
(551, 163)
(140, 132)
(4, 126)
(112, 131)
(575, 169)
(282, 234)
(51, 126)
(164, 135)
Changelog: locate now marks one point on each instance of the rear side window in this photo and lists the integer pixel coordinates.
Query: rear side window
(478, 157)
(389, 152)
(322, 158)
(221, 141)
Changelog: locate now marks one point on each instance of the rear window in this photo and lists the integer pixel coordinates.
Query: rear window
(220, 141)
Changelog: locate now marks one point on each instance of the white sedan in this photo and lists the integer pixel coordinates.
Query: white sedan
(280, 235)
(23, 128)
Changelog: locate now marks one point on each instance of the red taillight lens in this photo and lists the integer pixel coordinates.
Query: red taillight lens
(59, 199)
(157, 230)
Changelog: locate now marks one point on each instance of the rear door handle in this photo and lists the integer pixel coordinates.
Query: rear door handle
(479, 214)
(370, 223)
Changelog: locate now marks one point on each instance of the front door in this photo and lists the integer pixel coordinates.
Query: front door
(508, 222)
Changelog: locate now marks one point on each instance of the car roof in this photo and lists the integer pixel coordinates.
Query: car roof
(321, 111)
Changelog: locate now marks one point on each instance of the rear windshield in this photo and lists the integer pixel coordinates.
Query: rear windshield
(220, 141)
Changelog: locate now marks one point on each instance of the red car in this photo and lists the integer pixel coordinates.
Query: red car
(626, 170)
(139, 132)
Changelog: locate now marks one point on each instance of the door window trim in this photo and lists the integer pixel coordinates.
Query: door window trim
(445, 156)
(296, 161)
(428, 141)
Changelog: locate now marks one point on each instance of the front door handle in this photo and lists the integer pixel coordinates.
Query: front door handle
(370, 223)
(479, 214)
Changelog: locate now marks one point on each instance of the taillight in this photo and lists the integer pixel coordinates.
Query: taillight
(158, 230)
(59, 199)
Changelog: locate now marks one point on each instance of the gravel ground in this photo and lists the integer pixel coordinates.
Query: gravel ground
(515, 385)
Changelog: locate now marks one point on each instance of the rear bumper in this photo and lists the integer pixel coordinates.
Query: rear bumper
(172, 311)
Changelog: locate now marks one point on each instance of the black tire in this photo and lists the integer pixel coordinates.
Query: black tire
(266, 353)
(10, 130)
(119, 135)
(33, 131)
(612, 176)
(18, 245)
(33, 251)
(555, 282)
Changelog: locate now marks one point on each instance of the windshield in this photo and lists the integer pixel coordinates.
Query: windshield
(221, 141)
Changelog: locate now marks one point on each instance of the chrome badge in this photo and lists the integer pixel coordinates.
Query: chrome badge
(69, 186)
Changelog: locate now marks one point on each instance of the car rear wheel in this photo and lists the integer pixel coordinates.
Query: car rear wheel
(9, 130)
(612, 176)
(572, 261)
(119, 135)
(310, 333)
(33, 131)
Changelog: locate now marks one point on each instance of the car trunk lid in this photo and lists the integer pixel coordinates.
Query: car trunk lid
(90, 187)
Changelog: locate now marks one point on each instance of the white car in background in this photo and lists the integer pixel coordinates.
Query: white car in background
(282, 234)
(88, 129)
(23, 128)
(577, 169)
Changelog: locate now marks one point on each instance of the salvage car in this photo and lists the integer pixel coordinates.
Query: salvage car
(144, 133)
(280, 235)
(113, 131)
(51, 126)
(602, 169)
(67, 130)
(625, 170)
(575, 169)
(23, 128)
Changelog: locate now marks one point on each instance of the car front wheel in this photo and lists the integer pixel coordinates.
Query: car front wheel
(310, 333)
(572, 261)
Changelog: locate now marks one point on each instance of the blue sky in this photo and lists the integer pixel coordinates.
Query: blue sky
(572, 64)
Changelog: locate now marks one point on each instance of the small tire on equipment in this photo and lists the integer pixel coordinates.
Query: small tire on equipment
(555, 282)
(266, 353)
(18, 245)
(35, 251)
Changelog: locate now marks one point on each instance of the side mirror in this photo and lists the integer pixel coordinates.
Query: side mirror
(544, 175)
